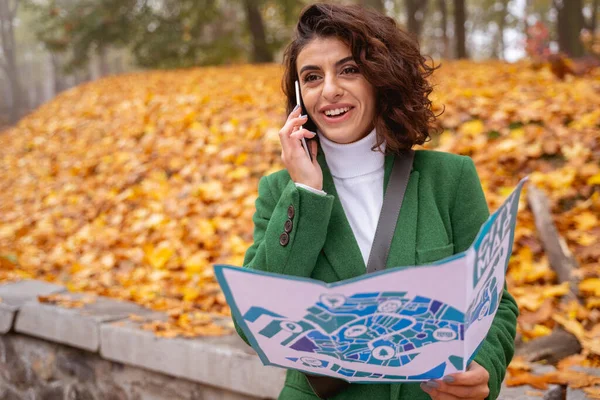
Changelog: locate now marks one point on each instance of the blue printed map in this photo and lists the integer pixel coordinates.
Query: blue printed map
(373, 328)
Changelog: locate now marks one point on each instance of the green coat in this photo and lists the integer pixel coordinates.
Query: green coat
(443, 209)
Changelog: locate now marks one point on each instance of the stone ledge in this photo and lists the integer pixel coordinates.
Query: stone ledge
(224, 361)
(14, 295)
(34, 368)
(77, 327)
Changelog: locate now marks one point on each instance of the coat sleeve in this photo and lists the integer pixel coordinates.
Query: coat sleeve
(301, 212)
(469, 212)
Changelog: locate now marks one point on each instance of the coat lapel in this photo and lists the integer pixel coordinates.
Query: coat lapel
(341, 248)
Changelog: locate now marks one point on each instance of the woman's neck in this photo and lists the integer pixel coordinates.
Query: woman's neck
(348, 160)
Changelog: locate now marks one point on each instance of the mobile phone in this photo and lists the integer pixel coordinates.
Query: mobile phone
(298, 103)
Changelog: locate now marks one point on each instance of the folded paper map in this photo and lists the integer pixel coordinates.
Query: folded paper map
(397, 325)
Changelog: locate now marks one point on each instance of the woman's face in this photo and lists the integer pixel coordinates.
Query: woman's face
(329, 80)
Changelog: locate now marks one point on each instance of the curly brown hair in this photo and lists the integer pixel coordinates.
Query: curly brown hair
(389, 59)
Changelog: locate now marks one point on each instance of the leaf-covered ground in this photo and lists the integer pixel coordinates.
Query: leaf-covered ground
(133, 186)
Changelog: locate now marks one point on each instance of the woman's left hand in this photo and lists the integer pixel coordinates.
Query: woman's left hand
(472, 385)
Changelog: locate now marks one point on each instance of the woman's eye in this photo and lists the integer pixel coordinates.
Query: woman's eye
(350, 70)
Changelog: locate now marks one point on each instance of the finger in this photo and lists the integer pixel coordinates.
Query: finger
(295, 112)
(292, 125)
(475, 375)
(436, 394)
(298, 121)
(284, 133)
(462, 392)
(302, 133)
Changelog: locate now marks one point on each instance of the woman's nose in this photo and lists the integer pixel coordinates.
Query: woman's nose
(331, 89)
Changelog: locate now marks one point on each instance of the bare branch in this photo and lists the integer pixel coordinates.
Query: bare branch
(560, 257)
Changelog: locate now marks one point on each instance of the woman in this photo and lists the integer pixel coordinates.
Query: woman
(365, 93)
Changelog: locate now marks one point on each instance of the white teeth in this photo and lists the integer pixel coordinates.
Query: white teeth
(337, 111)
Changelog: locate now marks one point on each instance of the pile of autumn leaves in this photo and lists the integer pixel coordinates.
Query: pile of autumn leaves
(134, 186)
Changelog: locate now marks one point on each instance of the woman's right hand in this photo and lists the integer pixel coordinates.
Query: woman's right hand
(297, 163)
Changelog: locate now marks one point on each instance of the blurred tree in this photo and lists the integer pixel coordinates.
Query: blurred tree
(500, 17)
(593, 22)
(185, 33)
(492, 18)
(77, 27)
(260, 49)
(570, 23)
(415, 16)
(444, 28)
(8, 58)
(160, 33)
(594, 17)
(460, 17)
(166, 33)
(565, 20)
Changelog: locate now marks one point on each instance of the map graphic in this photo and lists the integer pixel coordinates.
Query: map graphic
(486, 302)
(373, 328)
(403, 324)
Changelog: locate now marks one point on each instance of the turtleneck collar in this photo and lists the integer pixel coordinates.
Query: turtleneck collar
(352, 159)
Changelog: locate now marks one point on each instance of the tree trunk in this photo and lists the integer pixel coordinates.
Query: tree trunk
(60, 83)
(501, 27)
(594, 18)
(8, 11)
(82, 75)
(415, 13)
(260, 50)
(525, 17)
(570, 22)
(376, 4)
(445, 42)
(103, 61)
(460, 17)
(117, 66)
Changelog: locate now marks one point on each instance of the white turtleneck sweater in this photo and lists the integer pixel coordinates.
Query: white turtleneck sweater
(357, 173)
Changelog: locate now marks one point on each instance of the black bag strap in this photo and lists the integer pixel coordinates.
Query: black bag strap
(326, 387)
(390, 210)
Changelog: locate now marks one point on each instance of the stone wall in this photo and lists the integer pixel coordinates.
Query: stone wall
(96, 352)
(39, 369)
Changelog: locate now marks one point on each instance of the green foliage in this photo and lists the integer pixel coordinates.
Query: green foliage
(192, 33)
(160, 34)
(79, 27)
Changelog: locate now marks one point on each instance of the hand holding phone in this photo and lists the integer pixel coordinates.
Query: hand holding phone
(299, 104)
(294, 149)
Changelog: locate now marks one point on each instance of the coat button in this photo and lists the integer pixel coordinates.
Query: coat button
(288, 225)
(291, 212)
(284, 239)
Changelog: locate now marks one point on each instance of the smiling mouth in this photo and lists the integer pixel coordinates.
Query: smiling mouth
(337, 116)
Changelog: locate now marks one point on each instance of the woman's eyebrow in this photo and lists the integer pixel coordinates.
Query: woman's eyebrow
(313, 67)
